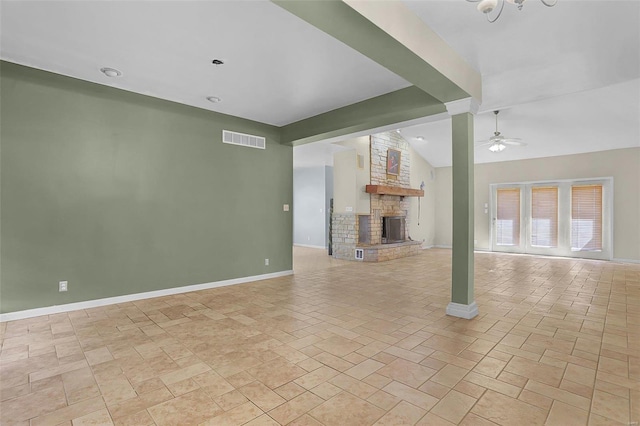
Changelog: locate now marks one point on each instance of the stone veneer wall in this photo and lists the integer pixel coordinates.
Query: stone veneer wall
(380, 143)
(388, 205)
(344, 235)
(345, 225)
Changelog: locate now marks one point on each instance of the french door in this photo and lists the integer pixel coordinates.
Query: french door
(561, 218)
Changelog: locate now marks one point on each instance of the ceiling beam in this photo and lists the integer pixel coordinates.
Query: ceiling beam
(395, 107)
(391, 35)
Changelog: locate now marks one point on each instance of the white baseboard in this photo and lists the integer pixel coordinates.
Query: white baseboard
(310, 246)
(615, 259)
(56, 309)
(462, 311)
(441, 246)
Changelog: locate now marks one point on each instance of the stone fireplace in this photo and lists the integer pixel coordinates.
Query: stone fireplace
(383, 234)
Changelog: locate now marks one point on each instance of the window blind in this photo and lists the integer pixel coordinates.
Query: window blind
(586, 217)
(508, 217)
(544, 216)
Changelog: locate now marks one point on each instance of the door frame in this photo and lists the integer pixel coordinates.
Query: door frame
(564, 218)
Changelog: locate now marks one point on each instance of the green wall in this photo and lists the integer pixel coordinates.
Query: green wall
(120, 193)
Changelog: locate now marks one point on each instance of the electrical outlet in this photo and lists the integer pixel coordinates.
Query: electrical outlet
(349, 209)
(62, 285)
(266, 262)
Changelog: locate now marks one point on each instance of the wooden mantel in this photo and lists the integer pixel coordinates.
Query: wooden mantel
(394, 190)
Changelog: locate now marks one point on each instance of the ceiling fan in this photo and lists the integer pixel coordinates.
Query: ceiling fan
(497, 142)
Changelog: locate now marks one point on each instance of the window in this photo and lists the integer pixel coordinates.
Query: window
(544, 216)
(508, 218)
(568, 217)
(586, 217)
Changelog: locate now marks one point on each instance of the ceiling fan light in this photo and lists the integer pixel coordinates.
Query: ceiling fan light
(487, 6)
(497, 147)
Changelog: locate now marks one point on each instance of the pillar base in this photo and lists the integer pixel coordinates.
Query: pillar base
(462, 311)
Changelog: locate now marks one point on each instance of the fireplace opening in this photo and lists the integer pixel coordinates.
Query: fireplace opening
(392, 229)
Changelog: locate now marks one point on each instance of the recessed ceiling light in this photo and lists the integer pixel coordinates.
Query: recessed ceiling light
(398, 131)
(214, 99)
(217, 62)
(420, 138)
(110, 72)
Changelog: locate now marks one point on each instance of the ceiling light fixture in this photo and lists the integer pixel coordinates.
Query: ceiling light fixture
(488, 6)
(217, 62)
(420, 138)
(214, 99)
(110, 72)
(497, 147)
(497, 142)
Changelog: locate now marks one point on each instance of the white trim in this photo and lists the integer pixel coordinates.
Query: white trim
(564, 209)
(443, 246)
(462, 105)
(617, 259)
(551, 181)
(310, 246)
(56, 309)
(462, 311)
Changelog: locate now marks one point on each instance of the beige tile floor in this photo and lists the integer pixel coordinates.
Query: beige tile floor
(307, 259)
(557, 341)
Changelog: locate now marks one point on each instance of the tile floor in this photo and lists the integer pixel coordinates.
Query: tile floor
(557, 342)
(307, 259)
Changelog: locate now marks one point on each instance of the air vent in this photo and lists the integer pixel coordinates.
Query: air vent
(359, 254)
(235, 138)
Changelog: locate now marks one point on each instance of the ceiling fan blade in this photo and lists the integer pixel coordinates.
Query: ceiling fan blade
(514, 141)
(485, 142)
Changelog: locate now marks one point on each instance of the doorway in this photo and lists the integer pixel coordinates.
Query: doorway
(571, 218)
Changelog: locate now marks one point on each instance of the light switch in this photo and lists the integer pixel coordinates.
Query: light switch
(285, 207)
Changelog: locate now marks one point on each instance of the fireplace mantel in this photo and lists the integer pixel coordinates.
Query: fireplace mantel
(394, 190)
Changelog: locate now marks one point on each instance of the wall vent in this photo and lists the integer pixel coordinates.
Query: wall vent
(359, 254)
(235, 138)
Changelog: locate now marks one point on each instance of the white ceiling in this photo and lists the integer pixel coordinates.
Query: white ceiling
(594, 120)
(278, 69)
(541, 52)
(567, 78)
